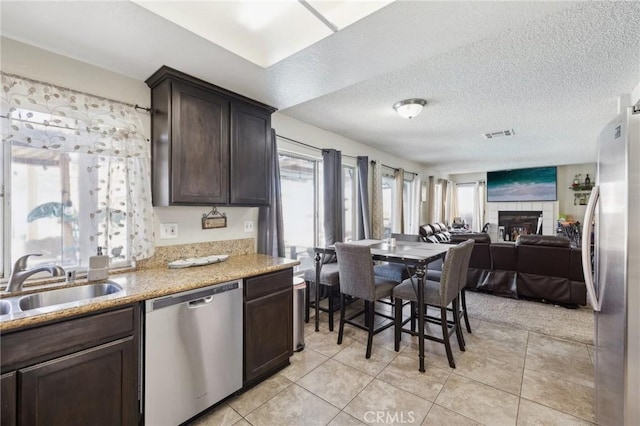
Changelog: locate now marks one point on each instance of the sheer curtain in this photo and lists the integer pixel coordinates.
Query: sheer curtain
(101, 136)
(478, 205)
(454, 211)
(398, 214)
(363, 228)
(450, 202)
(417, 193)
(431, 199)
(376, 202)
(270, 220)
(443, 203)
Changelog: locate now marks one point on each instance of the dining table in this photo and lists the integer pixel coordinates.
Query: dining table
(416, 256)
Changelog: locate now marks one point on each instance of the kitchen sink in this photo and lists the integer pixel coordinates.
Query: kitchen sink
(66, 295)
(5, 307)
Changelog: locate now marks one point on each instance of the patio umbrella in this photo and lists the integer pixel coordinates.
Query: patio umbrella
(50, 209)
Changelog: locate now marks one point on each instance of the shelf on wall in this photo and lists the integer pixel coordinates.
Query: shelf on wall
(581, 187)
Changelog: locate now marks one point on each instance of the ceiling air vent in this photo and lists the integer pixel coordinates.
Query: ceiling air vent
(492, 135)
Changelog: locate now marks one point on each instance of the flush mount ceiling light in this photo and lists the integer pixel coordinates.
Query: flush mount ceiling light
(409, 108)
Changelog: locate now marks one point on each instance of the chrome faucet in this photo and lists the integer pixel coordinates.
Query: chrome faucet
(20, 273)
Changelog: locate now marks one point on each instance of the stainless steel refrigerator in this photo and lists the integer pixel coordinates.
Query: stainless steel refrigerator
(613, 279)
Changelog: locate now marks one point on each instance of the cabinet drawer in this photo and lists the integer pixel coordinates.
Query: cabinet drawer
(263, 285)
(46, 342)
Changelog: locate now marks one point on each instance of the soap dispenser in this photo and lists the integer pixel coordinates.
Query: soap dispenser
(98, 266)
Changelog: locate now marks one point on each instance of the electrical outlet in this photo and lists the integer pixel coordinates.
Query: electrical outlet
(248, 226)
(168, 230)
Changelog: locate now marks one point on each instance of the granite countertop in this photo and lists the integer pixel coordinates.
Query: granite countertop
(151, 283)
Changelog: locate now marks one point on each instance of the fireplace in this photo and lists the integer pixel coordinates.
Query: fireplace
(514, 223)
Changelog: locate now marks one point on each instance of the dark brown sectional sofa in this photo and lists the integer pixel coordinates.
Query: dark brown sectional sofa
(539, 267)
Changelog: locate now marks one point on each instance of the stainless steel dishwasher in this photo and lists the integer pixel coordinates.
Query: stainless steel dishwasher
(193, 352)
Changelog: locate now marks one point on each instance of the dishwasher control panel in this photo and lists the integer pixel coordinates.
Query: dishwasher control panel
(177, 298)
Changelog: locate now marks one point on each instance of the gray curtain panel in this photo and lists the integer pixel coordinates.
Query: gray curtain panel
(270, 225)
(363, 228)
(333, 196)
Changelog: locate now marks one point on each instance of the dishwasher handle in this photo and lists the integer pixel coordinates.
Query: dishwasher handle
(194, 298)
(195, 304)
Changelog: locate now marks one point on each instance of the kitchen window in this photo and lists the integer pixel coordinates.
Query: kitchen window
(390, 218)
(300, 181)
(466, 202)
(350, 198)
(76, 177)
(438, 201)
(388, 199)
(409, 203)
(302, 207)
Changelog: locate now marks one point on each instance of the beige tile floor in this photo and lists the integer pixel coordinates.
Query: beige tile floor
(506, 376)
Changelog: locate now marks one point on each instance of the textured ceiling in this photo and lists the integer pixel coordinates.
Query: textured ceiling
(551, 71)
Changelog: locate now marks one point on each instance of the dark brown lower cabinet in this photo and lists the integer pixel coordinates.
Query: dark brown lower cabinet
(81, 371)
(93, 387)
(8, 399)
(268, 323)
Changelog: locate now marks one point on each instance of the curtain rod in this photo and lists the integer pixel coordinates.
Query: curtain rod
(135, 106)
(393, 168)
(310, 146)
(470, 183)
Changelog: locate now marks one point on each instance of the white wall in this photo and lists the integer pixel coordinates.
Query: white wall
(303, 132)
(571, 210)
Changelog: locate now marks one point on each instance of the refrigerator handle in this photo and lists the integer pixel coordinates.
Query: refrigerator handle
(586, 248)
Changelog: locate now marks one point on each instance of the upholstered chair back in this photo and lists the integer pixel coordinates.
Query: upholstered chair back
(454, 269)
(356, 271)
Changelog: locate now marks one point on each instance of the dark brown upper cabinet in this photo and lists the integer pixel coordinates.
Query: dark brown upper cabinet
(209, 146)
(250, 155)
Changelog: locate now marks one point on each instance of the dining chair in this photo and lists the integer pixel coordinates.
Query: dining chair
(357, 280)
(438, 294)
(463, 288)
(435, 274)
(396, 271)
(329, 278)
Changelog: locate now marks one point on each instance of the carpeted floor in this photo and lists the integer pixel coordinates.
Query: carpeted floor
(556, 321)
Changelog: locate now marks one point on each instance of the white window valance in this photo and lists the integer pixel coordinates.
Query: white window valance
(106, 133)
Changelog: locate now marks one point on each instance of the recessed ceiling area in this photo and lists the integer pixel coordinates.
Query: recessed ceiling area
(263, 32)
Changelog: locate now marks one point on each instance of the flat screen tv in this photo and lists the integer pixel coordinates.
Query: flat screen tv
(535, 184)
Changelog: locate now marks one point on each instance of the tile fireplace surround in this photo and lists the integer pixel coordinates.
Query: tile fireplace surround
(549, 209)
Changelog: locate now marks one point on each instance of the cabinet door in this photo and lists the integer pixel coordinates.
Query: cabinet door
(268, 336)
(250, 155)
(97, 386)
(8, 399)
(199, 146)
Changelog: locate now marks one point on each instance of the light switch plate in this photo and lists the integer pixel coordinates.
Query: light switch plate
(248, 226)
(168, 231)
